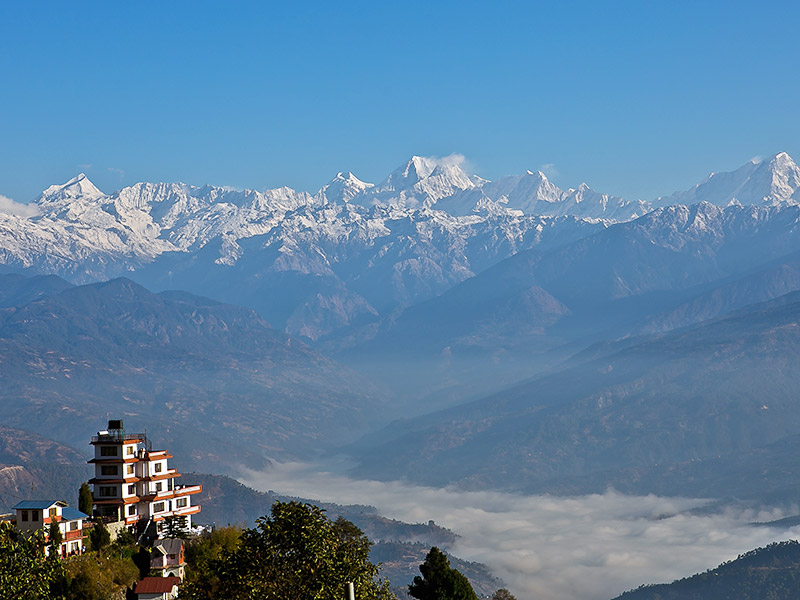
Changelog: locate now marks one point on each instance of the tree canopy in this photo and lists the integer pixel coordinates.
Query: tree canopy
(25, 571)
(296, 552)
(440, 581)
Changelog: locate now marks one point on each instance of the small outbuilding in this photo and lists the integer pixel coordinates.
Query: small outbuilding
(168, 558)
(157, 588)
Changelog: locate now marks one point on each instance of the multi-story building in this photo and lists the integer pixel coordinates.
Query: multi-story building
(33, 515)
(134, 483)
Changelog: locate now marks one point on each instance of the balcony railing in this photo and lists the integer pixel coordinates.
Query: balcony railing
(120, 436)
(73, 535)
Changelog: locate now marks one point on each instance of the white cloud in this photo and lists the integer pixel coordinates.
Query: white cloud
(549, 169)
(455, 159)
(588, 547)
(119, 172)
(7, 205)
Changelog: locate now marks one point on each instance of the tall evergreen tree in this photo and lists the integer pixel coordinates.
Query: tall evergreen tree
(85, 499)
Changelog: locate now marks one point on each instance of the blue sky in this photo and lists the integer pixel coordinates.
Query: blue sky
(635, 98)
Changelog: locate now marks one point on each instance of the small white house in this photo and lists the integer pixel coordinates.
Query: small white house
(168, 558)
(33, 515)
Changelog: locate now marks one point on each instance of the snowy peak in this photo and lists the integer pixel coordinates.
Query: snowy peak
(417, 168)
(344, 187)
(422, 181)
(78, 187)
(408, 175)
(784, 177)
(770, 182)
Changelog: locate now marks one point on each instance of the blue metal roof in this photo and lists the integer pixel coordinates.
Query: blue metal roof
(72, 514)
(67, 512)
(36, 504)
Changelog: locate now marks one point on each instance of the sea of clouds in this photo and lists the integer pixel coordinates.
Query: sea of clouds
(548, 548)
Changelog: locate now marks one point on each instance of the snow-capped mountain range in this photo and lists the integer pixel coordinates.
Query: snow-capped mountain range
(344, 255)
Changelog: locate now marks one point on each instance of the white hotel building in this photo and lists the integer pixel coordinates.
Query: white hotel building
(133, 482)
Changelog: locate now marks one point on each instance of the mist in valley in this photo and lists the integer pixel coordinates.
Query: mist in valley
(548, 547)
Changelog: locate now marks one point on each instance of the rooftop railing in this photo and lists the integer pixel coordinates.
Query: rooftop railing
(120, 436)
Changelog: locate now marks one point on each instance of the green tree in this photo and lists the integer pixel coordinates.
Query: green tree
(203, 554)
(296, 552)
(99, 536)
(175, 527)
(503, 594)
(54, 536)
(96, 576)
(440, 581)
(25, 571)
(124, 539)
(85, 500)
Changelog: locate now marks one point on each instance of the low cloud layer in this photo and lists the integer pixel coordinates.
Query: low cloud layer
(544, 547)
(8, 206)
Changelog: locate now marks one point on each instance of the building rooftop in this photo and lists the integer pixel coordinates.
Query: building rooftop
(38, 504)
(169, 546)
(72, 514)
(156, 585)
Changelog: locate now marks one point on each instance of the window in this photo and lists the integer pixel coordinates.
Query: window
(53, 513)
(24, 515)
(34, 515)
(181, 502)
(109, 470)
(107, 491)
(158, 486)
(73, 525)
(129, 469)
(158, 507)
(132, 489)
(108, 450)
(131, 510)
(129, 451)
(158, 467)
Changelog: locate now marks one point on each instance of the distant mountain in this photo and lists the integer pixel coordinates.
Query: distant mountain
(671, 268)
(33, 466)
(720, 389)
(18, 290)
(348, 255)
(180, 366)
(345, 255)
(771, 572)
(771, 182)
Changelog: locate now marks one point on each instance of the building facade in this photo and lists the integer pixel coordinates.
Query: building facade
(134, 483)
(35, 515)
(168, 558)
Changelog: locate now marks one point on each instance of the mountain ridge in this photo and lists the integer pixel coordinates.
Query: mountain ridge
(349, 253)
